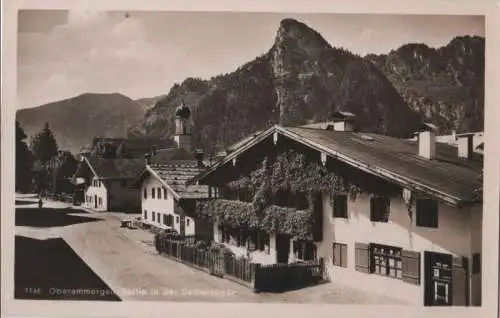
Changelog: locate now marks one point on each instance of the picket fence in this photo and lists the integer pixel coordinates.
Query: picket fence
(261, 278)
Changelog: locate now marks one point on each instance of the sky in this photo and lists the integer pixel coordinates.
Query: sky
(62, 54)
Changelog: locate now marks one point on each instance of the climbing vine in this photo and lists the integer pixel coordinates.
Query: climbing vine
(290, 173)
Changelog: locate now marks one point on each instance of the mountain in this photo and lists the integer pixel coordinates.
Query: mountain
(148, 102)
(300, 79)
(445, 85)
(76, 121)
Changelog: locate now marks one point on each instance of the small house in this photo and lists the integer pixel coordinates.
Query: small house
(106, 184)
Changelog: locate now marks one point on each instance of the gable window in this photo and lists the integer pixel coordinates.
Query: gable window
(159, 193)
(339, 254)
(340, 206)
(165, 193)
(145, 193)
(427, 213)
(153, 193)
(145, 214)
(386, 260)
(379, 209)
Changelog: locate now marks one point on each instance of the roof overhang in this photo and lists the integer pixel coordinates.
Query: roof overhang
(374, 170)
(147, 170)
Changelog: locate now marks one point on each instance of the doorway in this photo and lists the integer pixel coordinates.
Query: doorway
(282, 248)
(438, 275)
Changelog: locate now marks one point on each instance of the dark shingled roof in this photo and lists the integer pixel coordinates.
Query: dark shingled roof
(395, 159)
(176, 166)
(169, 155)
(176, 175)
(446, 172)
(116, 168)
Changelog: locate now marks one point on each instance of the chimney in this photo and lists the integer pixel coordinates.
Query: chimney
(199, 154)
(343, 121)
(427, 141)
(465, 143)
(147, 158)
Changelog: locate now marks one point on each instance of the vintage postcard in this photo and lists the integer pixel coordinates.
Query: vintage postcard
(168, 157)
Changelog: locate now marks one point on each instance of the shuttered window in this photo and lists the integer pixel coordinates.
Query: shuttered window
(339, 254)
(427, 213)
(362, 257)
(340, 206)
(411, 267)
(379, 209)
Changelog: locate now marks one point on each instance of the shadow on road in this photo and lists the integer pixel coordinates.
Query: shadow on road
(50, 217)
(24, 202)
(50, 269)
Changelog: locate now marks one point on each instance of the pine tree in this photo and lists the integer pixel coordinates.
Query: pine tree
(24, 161)
(44, 145)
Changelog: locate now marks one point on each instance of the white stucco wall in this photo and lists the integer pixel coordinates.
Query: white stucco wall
(96, 192)
(453, 236)
(162, 206)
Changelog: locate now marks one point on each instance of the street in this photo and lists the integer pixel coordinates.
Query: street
(103, 256)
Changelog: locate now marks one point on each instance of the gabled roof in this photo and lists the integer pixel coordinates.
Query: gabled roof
(446, 177)
(169, 155)
(174, 167)
(105, 168)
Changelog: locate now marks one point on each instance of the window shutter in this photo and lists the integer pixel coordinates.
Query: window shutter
(459, 281)
(362, 257)
(411, 267)
(343, 255)
(336, 254)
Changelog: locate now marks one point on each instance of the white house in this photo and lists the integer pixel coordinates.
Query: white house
(167, 202)
(107, 183)
(418, 241)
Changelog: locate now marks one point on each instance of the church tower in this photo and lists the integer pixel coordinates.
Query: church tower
(183, 127)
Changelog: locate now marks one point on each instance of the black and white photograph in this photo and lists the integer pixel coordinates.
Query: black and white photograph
(249, 157)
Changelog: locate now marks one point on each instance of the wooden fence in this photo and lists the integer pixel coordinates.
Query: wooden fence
(268, 278)
(282, 277)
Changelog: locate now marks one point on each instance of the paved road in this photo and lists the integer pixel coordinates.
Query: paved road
(128, 264)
